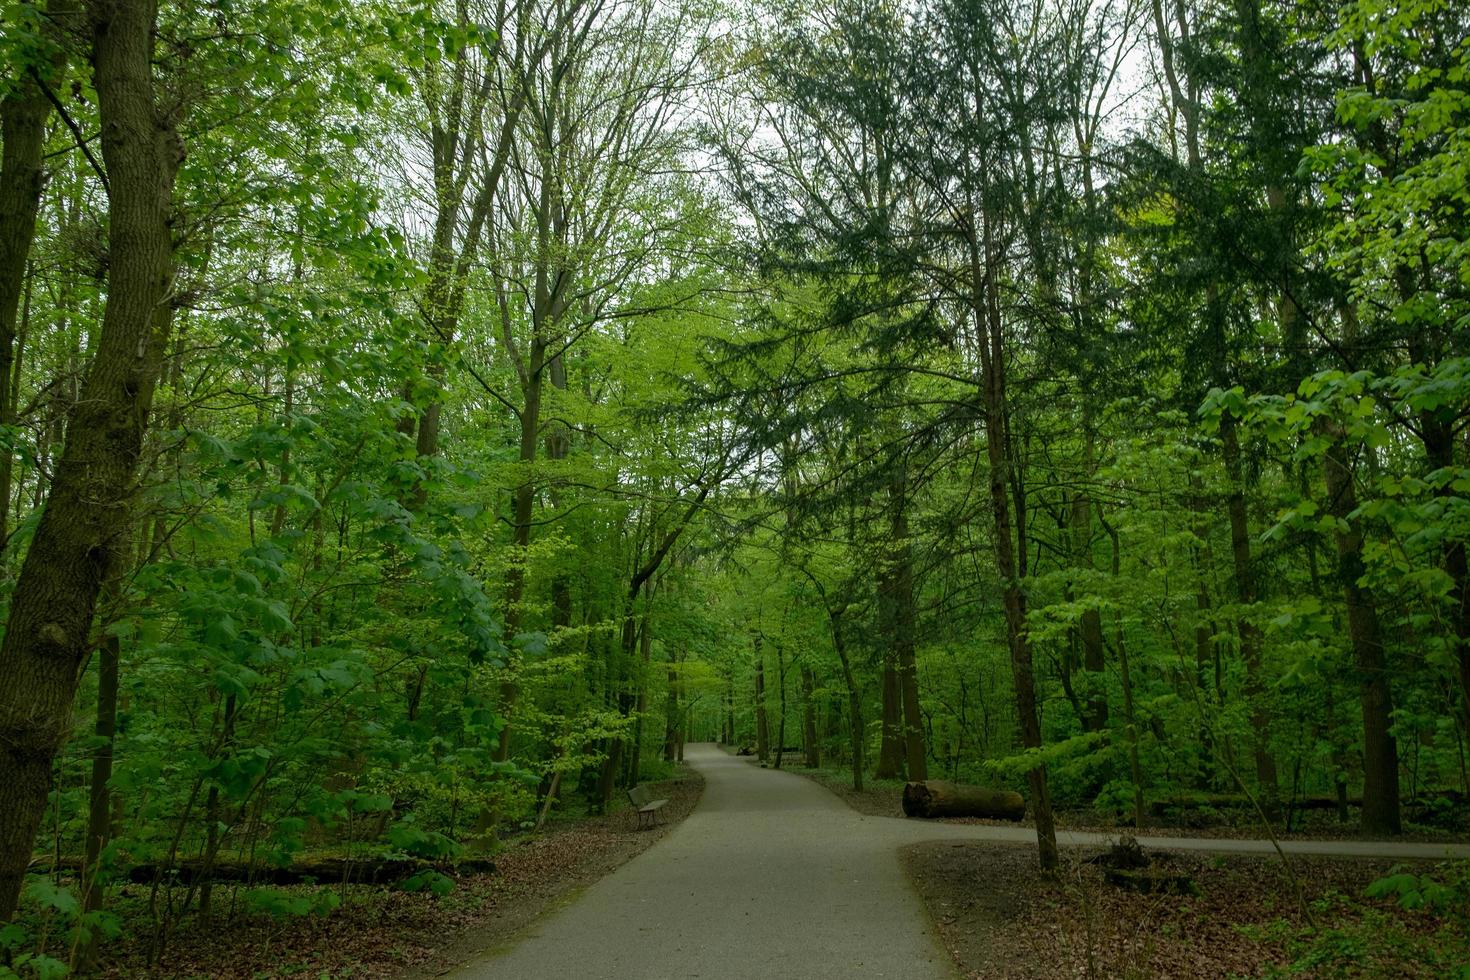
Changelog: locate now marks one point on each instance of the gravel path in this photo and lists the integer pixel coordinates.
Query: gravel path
(775, 877)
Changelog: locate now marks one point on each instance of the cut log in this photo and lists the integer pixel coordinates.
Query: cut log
(940, 798)
(1227, 801)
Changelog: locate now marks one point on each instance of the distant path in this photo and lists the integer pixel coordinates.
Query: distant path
(774, 878)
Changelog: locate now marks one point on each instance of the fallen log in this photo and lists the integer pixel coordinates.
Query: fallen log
(1234, 801)
(328, 871)
(940, 798)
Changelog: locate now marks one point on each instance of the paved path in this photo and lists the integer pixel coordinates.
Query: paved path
(774, 878)
(771, 878)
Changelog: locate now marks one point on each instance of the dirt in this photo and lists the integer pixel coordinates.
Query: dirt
(1001, 917)
(381, 932)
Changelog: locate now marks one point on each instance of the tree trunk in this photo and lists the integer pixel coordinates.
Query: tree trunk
(730, 710)
(645, 654)
(558, 445)
(1439, 448)
(99, 810)
(891, 744)
(212, 815)
(992, 365)
(900, 594)
(781, 721)
(762, 729)
(523, 501)
(1380, 750)
(77, 542)
(1250, 633)
(671, 714)
(854, 700)
(811, 747)
(1091, 630)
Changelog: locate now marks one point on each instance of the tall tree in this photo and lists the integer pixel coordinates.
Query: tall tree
(88, 506)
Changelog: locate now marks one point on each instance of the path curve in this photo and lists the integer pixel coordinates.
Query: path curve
(773, 877)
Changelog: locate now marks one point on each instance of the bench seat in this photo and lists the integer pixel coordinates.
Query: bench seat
(645, 807)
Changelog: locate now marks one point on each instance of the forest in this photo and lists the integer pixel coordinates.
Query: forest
(421, 419)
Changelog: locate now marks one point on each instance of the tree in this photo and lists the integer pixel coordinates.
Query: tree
(76, 545)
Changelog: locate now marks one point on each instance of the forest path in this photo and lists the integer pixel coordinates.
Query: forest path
(770, 877)
(773, 876)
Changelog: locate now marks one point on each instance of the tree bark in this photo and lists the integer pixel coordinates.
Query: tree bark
(1135, 768)
(762, 727)
(891, 743)
(78, 540)
(1249, 632)
(1093, 661)
(1439, 448)
(99, 809)
(730, 709)
(854, 699)
(897, 594)
(671, 714)
(1380, 749)
(993, 390)
(939, 798)
(811, 746)
(781, 701)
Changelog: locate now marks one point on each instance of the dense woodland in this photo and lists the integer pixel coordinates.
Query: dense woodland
(420, 419)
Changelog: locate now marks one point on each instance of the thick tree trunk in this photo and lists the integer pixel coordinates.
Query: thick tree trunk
(1380, 749)
(81, 530)
(939, 798)
(523, 502)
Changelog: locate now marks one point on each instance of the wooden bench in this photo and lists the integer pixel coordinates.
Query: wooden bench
(644, 805)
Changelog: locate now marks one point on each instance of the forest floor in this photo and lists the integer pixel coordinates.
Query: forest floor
(1001, 917)
(386, 932)
(884, 798)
